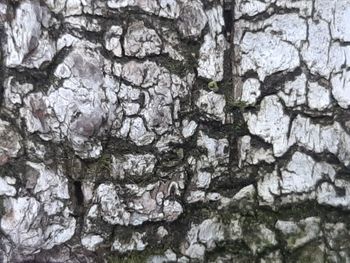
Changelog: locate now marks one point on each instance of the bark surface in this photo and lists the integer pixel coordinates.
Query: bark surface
(174, 131)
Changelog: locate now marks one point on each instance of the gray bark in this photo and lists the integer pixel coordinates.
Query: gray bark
(174, 131)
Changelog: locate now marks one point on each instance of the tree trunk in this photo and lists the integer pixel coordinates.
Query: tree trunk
(174, 131)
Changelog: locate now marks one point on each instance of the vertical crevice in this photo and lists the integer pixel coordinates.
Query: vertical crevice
(228, 19)
(78, 192)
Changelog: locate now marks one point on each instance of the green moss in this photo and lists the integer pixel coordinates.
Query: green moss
(137, 256)
(173, 66)
(266, 216)
(180, 68)
(132, 258)
(103, 164)
(233, 103)
(302, 210)
(227, 216)
(192, 61)
(237, 126)
(213, 85)
(2, 208)
(310, 254)
(291, 240)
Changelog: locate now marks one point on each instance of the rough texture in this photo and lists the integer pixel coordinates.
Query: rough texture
(174, 131)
